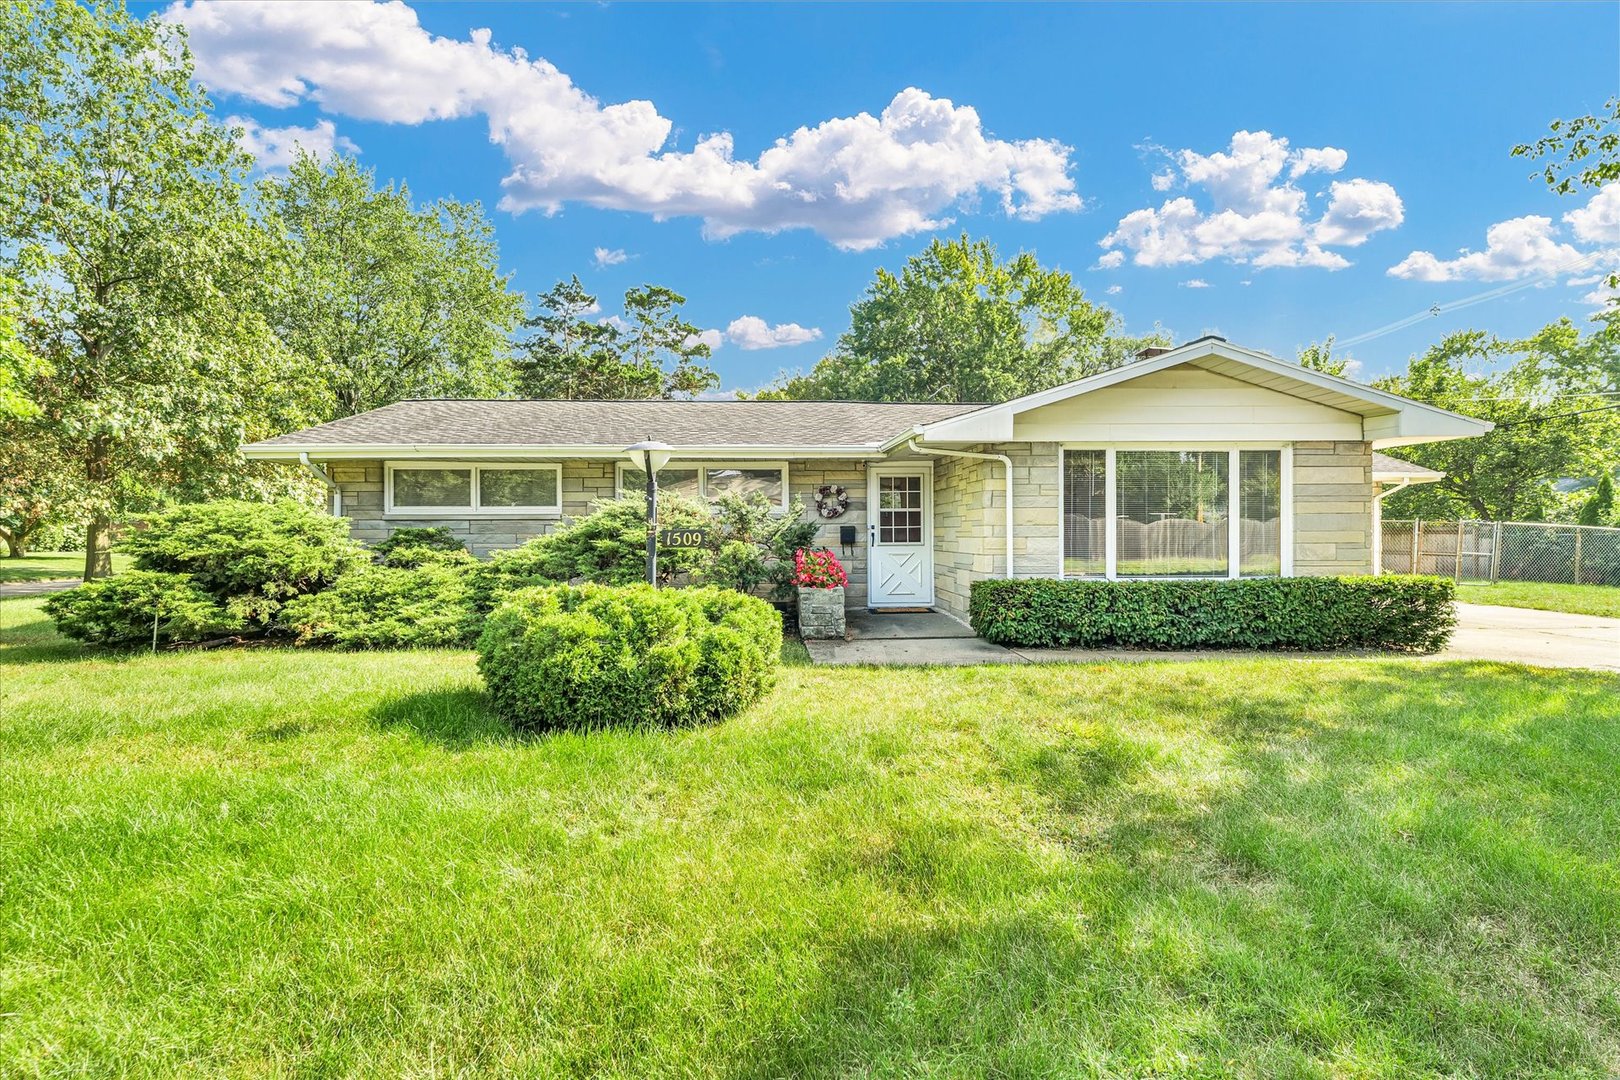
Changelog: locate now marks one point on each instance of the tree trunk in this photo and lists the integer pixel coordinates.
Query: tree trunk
(98, 547)
(98, 534)
(15, 546)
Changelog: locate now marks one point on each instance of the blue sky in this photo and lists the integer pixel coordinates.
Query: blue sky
(1386, 133)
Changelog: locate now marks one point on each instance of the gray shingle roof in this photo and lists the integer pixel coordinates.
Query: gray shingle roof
(1384, 465)
(615, 424)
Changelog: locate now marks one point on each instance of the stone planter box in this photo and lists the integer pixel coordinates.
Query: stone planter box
(821, 613)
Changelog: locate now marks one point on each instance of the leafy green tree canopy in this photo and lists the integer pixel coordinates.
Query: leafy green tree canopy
(648, 352)
(1547, 396)
(140, 267)
(959, 324)
(386, 300)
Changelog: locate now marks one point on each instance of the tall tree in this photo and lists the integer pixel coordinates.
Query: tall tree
(1546, 396)
(1318, 356)
(386, 300)
(121, 213)
(648, 352)
(959, 324)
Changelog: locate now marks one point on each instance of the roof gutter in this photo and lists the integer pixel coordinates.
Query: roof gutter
(1007, 467)
(1378, 524)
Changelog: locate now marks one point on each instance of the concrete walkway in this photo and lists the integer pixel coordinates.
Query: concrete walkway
(9, 589)
(1510, 635)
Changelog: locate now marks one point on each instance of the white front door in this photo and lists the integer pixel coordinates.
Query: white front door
(900, 534)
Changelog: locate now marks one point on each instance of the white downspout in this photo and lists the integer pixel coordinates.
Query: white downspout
(320, 474)
(1007, 466)
(1378, 523)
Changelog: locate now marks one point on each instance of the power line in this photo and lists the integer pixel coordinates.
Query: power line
(1435, 310)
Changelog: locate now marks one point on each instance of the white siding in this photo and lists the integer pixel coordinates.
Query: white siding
(1185, 404)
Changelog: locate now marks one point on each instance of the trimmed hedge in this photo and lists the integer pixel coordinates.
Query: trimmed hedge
(405, 545)
(591, 656)
(1401, 612)
(389, 607)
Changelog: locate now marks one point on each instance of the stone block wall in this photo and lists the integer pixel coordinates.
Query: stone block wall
(361, 483)
(970, 519)
(1333, 517)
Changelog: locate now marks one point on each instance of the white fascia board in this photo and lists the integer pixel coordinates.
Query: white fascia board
(1414, 420)
(396, 451)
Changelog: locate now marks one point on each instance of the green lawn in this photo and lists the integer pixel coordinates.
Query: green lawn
(274, 863)
(1579, 599)
(42, 566)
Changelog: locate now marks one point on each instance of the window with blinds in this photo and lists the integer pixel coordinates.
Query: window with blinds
(1172, 508)
(1085, 514)
(1259, 513)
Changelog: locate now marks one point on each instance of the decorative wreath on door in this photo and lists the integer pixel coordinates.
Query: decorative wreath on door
(831, 500)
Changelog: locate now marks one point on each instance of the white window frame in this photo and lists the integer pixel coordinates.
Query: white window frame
(1234, 506)
(703, 468)
(391, 509)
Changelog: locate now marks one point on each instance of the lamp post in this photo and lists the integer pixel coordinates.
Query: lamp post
(650, 456)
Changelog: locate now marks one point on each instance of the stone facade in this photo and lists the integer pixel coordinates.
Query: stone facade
(970, 519)
(361, 484)
(1333, 512)
(821, 613)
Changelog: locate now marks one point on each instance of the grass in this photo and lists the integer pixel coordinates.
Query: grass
(48, 565)
(276, 863)
(1577, 599)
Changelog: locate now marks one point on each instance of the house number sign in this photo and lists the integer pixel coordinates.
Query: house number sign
(683, 538)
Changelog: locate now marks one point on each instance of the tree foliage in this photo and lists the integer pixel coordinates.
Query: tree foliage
(384, 300)
(1580, 153)
(1318, 356)
(648, 352)
(1546, 395)
(142, 271)
(959, 324)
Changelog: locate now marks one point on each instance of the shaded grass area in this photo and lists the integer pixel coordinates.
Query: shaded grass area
(269, 862)
(50, 565)
(1577, 599)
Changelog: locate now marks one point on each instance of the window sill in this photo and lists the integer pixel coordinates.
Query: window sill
(399, 512)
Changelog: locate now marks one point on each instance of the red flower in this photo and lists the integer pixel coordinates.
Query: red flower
(818, 569)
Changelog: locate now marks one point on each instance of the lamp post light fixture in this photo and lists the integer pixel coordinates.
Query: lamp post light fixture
(650, 456)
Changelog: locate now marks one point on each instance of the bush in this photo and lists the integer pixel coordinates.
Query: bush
(386, 607)
(251, 557)
(1408, 613)
(592, 656)
(120, 610)
(405, 546)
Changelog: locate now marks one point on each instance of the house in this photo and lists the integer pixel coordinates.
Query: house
(1138, 472)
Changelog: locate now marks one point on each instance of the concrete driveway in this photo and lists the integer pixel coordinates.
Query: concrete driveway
(1511, 635)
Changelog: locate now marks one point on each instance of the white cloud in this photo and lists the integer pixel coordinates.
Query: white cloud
(1256, 215)
(609, 256)
(276, 148)
(1110, 260)
(1195, 283)
(1598, 222)
(711, 338)
(857, 180)
(1115, 290)
(1515, 248)
(752, 332)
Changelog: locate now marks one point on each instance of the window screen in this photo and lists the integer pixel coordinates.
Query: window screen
(499, 488)
(900, 510)
(745, 482)
(1173, 507)
(1084, 512)
(633, 482)
(1260, 513)
(450, 488)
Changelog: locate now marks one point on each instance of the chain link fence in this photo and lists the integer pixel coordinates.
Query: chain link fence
(1482, 551)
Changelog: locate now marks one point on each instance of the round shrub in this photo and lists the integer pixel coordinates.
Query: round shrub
(405, 545)
(591, 656)
(249, 556)
(386, 607)
(120, 610)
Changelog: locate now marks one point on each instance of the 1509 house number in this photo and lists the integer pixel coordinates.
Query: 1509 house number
(683, 538)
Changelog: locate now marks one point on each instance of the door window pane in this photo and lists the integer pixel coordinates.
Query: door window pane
(1084, 512)
(745, 482)
(1173, 507)
(900, 516)
(633, 482)
(499, 488)
(448, 488)
(1260, 513)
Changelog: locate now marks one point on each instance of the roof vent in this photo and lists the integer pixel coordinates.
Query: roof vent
(1150, 352)
(1207, 337)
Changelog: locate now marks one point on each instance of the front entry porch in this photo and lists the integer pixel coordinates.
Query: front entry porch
(907, 638)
